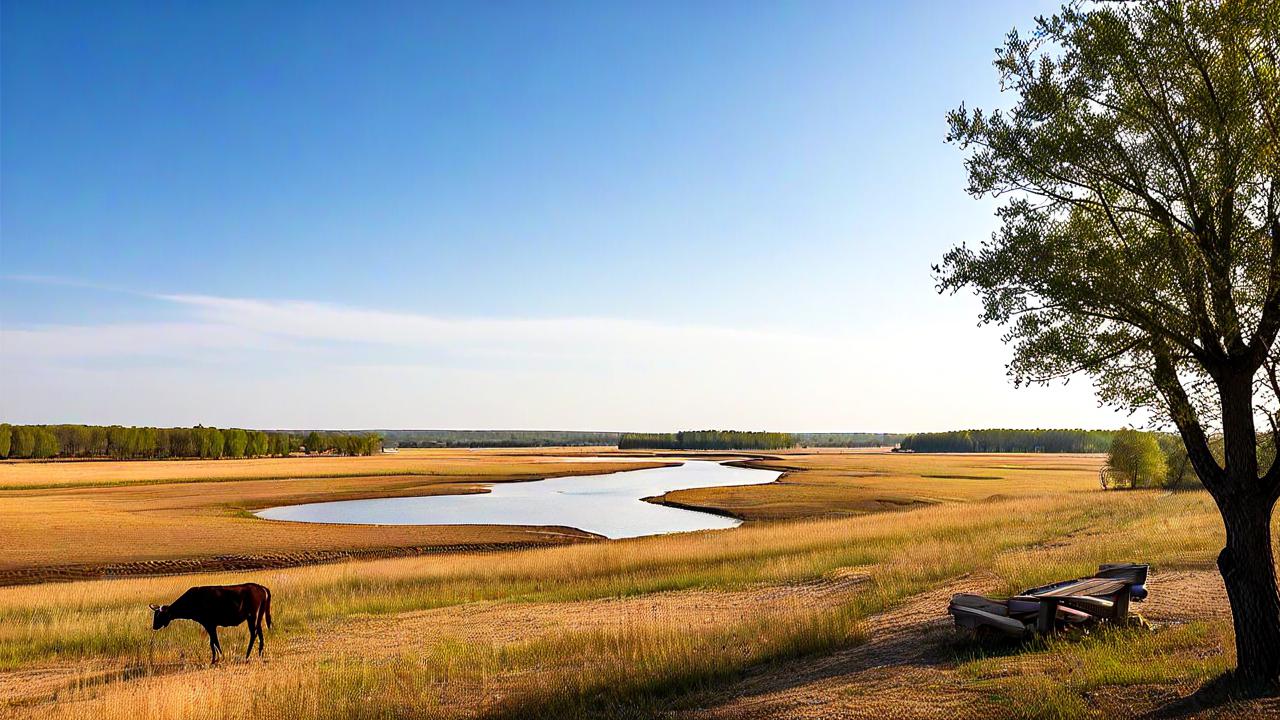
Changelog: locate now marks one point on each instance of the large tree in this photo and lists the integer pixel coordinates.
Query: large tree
(1138, 173)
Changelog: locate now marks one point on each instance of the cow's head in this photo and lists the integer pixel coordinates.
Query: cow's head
(160, 616)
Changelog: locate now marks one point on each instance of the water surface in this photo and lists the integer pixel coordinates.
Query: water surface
(608, 505)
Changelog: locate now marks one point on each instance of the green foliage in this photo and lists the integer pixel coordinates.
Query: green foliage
(30, 441)
(847, 439)
(259, 444)
(1140, 167)
(235, 442)
(496, 438)
(1139, 176)
(24, 442)
(1179, 475)
(1003, 440)
(343, 443)
(706, 440)
(129, 443)
(1137, 456)
(1137, 220)
(46, 445)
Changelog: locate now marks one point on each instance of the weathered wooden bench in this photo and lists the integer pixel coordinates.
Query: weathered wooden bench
(1048, 608)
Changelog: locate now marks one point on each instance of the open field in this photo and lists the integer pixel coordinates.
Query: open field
(456, 464)
(841, 484)
(167, 516)
(836, 611)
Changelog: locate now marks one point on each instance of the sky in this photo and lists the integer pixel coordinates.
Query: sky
(542, 215)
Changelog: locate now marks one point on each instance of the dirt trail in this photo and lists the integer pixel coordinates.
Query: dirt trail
(894, 674)
(907, 668)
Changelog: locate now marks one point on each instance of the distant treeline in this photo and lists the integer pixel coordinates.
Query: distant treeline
(129, 443)
(1005, 440)
(550, 438)
(847, 439)
(495, 438)
(706, 440)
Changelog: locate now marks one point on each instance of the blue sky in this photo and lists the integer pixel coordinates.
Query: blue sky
(542, 215)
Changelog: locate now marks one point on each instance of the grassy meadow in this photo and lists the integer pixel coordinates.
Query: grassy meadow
(830, 600)
(173, 515)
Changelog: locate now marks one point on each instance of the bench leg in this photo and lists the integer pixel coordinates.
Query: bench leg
(1120, 610)
(1047, 617)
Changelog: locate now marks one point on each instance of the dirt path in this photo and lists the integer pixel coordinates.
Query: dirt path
(907, 669)
(895, 674)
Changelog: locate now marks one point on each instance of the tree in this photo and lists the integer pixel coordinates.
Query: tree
(1137, 456)
(6, 438)
(1178, 471)
(23, 443)
(1139, 173)
(237, 441)
(313, 442)
(45, 444)
(258, 443)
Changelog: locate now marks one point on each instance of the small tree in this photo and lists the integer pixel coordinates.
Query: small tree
(1178, 471)
(23, 443)
(1137, 456)
(45, 444)
(236, 442)
(1140, 175)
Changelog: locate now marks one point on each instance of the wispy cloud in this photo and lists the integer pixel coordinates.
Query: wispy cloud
(221, 324)
(277, 363)
(324, 321)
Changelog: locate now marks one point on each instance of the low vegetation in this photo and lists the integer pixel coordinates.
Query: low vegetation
(496, 438)
(1136, 460)
(144, 443)
(171, 515)
(640, 626)
(706, 440)
(1010, 441)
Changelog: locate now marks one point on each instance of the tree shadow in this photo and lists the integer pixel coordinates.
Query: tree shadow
(1222, 690)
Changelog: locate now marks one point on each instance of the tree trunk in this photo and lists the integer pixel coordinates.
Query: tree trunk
(1249, 572)
(1247, 563)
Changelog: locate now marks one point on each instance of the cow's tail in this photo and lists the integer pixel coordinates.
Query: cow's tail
(266, 607)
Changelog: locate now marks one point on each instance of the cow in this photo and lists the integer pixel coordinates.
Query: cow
(215, 606)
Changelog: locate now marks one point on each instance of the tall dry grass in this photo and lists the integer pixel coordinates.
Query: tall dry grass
(643, 665)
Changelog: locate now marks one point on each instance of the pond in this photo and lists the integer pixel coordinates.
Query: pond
(610, 505)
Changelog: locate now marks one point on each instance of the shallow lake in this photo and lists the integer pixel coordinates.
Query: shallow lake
(608, 505)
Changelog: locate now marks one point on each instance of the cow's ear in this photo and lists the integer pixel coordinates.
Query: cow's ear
(154, 607)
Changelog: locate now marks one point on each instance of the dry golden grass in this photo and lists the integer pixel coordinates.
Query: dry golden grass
(164, 515)
(836, 484)
(171, 516)
(637, 627)
(444, 462)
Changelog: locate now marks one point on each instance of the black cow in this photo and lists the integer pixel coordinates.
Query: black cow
(215, 606)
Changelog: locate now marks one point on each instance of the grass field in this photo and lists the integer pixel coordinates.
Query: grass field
(172, 515)
(831, 604)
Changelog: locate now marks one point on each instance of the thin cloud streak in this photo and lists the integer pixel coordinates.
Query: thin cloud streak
(229, 324)
(273, 363)
(323, 321)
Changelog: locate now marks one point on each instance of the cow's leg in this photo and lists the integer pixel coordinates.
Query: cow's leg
(260, 634)
(215, 649)
(252, 634)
